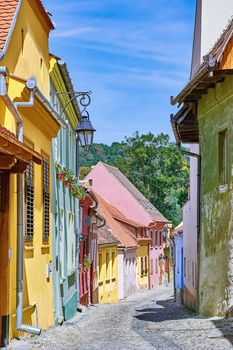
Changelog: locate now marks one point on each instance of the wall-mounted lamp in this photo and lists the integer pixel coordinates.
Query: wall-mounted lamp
(84, 130)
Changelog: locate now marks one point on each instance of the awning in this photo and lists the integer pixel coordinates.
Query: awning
(14, 155)
(185, 125)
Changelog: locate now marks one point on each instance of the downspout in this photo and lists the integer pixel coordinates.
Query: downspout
(191, 154)
(20, 201)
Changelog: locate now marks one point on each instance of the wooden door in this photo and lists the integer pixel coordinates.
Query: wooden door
(4, 259)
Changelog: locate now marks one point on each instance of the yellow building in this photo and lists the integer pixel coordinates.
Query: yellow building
(142, 254)
(26, 293)
(107, 266)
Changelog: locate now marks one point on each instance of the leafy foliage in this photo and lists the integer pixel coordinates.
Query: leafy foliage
(154, 165)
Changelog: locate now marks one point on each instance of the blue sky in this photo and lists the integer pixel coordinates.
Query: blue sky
(132, 54)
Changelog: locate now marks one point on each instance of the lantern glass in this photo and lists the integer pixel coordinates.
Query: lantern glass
(86, 139)
(85, 132)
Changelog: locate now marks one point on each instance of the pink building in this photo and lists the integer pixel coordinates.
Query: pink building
(115, 188)
(126, 249)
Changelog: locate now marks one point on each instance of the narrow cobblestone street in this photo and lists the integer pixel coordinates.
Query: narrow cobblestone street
(147, 321)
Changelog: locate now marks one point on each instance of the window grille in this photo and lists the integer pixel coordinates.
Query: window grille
(29, 202)
(46, 200)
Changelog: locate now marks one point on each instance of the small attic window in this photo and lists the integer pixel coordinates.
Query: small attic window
(22, 40)
(41, 67)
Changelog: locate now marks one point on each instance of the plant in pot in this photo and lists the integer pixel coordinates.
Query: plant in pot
(60, 172)
(69, 177)
(86, 263)
(78, 191)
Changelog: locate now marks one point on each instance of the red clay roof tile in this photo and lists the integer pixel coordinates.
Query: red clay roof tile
(7, 12)
(120, 232)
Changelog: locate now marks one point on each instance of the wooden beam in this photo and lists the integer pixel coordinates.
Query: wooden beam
(7, 161)
(19, 168)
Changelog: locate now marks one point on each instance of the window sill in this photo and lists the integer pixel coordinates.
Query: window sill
(29, 248)
(44, 245)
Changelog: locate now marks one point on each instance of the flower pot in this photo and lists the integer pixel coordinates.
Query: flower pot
(67, 183)
(60, 176)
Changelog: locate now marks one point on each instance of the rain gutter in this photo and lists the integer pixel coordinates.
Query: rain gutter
(49, 107)
(20, 204)
(69, 85)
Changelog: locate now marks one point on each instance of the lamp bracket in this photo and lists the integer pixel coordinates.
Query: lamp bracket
(83, 96)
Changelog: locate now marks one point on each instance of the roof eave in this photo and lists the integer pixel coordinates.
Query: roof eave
(180, 97)
(69, 85)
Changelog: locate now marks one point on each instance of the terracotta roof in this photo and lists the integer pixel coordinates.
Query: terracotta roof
(46, 14)
(10, 148)
(8, 10)
(7, 132)
(105, 237)
(154, 214)
(120, 232)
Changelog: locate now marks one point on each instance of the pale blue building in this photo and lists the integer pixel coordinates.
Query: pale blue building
(179, 263)
(65, 204)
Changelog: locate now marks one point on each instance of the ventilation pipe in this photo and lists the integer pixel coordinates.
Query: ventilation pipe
(13, 107)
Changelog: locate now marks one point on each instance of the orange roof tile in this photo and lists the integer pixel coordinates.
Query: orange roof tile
(120, 232)
(7, 12)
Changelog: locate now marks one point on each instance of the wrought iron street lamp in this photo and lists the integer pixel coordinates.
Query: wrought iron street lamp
(85, 131)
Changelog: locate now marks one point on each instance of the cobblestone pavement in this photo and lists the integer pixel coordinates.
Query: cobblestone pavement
(145, 321)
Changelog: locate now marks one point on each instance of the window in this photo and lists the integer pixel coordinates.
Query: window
(222, 144)
(156, 266)
(108, 266)
(184, 266)
(29, 202)
(70, 241)
(100, 267)
(146, 265)
(178, 262)
(113, 264)
(151, 266)
(156, 238)
(142, 266)
(196, 275)
(22, 41)
(193, 274)
(152, 238)
(46, 200)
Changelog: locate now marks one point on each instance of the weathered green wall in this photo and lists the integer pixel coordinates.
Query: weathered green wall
(215, 113)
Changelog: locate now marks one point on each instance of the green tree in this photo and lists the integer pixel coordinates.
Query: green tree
(159, 171)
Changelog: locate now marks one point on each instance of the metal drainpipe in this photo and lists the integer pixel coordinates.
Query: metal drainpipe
(190, 154)
(20, 204)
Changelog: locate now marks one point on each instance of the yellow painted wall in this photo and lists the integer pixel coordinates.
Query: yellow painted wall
(107, 274)
(24, 59)
(142, 254)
